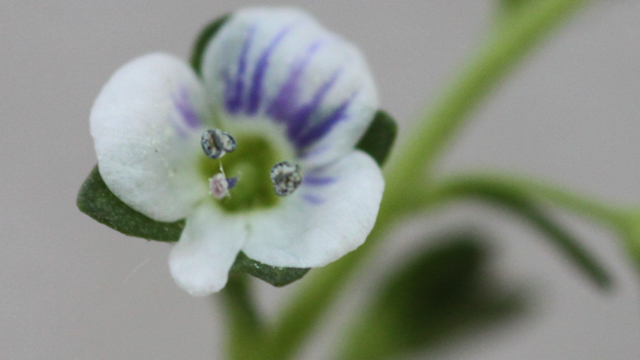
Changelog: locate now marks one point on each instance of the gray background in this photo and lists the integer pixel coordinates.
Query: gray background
(74, 289)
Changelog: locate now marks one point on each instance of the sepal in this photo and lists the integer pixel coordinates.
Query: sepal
(274, 275)
(203, 39)
(378, 140)
(96, 200)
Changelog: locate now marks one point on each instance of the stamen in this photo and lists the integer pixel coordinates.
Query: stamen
(286, 178)
(216, 143)
(224, 141)
(219, 186)
(231, 183)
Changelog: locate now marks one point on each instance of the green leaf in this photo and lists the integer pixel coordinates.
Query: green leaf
(379, 138)
(431, 299)
(96, 200)
(203, 40)
(274, 275)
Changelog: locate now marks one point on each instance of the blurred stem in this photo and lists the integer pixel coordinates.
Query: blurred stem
(522, 186)
(507, 45)
(521, 196)
(246, 331)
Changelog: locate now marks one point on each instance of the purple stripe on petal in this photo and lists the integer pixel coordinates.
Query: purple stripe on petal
(178, 127)
(234, 88)
(319, 131)
(255, 93)
(283, 106)
(300, 120)
(312, 199)
(317, 170)
(306, 154)
(310, 153)
(182, 102)
(318, 180)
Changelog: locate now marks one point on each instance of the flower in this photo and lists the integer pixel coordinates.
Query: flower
(289, 92)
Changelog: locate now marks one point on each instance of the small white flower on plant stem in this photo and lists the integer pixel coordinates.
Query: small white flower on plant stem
(292, 94)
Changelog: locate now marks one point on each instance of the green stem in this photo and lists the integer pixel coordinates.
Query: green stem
(510, 42)
(580, 204)
(521, 196)
(513, 39)
(246, 331)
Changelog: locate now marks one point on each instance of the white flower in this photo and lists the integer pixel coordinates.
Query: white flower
(287, 90)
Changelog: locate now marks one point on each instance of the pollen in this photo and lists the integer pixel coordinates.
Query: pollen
(286, 178)
(219, 186)
(216, 143)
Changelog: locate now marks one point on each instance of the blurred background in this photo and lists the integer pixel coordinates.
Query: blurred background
(72, 288)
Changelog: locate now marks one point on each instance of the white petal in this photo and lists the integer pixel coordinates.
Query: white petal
(146, 125)
(207, 248)
(329, 215)
(281, 65)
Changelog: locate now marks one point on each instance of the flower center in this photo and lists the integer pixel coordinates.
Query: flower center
(251, 162)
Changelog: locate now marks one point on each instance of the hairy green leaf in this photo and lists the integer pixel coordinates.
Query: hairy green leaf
(96, 200)
(431, 299)
(274, 275)
(379, 138)
(205, 36)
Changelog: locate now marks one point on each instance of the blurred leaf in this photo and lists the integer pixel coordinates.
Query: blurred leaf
(379, 138)
(96, 200)
(523, 206)
(274, 275)
(437, 294)
(202, 41)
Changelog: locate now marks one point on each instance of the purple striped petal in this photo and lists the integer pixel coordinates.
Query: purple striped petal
(318, 131)
(235, 87)
(300, 120)
(143, 161)
(256, 93)
(285, 103)
(318, 180)
(182, 102)
(280, 65)
(312, 199)
(309, 154)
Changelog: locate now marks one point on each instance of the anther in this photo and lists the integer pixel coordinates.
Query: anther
(286, 178)
(216, 143)
(231, 183)
(219, 186)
